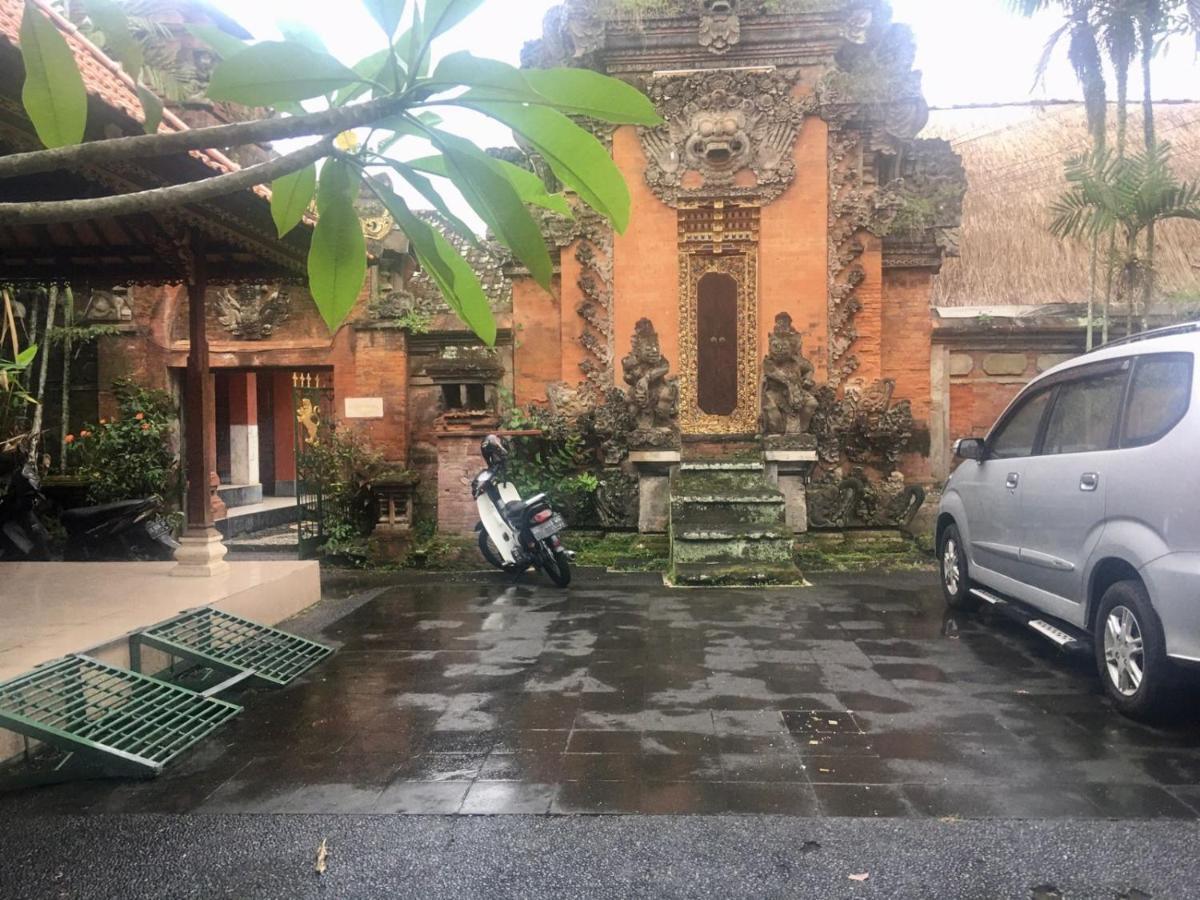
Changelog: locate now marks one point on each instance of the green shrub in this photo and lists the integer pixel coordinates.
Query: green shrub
(133, 455)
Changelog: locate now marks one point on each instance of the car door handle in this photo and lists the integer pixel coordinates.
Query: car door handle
(1089, 481)
(1012, 481)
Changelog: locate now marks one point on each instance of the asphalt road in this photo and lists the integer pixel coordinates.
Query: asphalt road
(269, 856)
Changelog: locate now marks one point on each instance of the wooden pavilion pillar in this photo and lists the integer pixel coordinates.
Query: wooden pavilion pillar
(202, 553)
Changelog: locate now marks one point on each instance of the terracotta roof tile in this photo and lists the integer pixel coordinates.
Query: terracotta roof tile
(105, 79)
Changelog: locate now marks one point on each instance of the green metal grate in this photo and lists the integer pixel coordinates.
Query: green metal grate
(211, 637)
(118, 721)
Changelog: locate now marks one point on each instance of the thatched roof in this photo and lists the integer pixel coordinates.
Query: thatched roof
(1014, 158)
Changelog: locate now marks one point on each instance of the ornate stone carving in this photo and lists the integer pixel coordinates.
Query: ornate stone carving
(653, 395)
(252, 312)
(109, 306)
(743, 268)
(789, 402)
(617, 499)
(720, 27)
(728, 135)
(608, 427)
(571, 34)
(863, 426)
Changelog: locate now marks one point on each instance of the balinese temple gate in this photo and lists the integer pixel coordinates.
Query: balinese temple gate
(767, 312)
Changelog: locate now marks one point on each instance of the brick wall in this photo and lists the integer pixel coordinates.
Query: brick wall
(458, 464)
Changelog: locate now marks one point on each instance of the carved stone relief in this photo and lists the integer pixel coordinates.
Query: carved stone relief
(253, 312)
(720, 27)
(653, 394)
(728, 134)
(789, 401)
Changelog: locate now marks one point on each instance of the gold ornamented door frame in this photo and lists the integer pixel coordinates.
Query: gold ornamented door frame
(722, 239)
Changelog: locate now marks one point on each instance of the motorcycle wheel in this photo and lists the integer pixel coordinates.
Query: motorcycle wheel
(489, 550)
(557, 566)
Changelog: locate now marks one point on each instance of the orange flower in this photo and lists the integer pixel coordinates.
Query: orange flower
(140, 416)
(70, 439)
(145, 426)
(104, 421)
(85, 434)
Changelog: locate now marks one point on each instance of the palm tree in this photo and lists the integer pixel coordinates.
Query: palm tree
(1084, 52)
(1125, 196)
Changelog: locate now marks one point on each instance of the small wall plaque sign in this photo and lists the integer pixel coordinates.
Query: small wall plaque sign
(364, 407)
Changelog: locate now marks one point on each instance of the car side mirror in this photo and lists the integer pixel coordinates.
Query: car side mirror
(971, 448)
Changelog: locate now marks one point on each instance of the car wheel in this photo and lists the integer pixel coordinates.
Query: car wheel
(956, 586)
(1131, 651)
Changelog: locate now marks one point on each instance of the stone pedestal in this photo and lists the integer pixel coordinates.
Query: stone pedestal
(789, 470)
(654, 469)
(201, 554)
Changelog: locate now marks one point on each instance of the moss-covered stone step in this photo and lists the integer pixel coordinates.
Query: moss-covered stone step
(722, 512)
(754, 549)
(723, 485)
(735, 574)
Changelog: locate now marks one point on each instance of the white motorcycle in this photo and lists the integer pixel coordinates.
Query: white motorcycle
(515, 534)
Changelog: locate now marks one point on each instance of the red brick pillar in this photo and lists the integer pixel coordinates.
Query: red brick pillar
(284, 413)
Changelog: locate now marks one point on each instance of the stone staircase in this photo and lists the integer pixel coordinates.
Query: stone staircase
(728, 527)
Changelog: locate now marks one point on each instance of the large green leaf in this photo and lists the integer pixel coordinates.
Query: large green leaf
(290, 197)
(578, 92)
(278, 72)
(425, 188)
(442, 15)
(578, 160)
(299, 33)
(219, 41)
(450, 272)
(374, 68)
(387, 13)
(339, 183)
(54, 96)
(119, 42)
(529, 187)
(497, 203)
(337, 262)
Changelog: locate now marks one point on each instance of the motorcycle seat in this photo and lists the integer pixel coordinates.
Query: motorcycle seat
(87, 516)
(515, 508)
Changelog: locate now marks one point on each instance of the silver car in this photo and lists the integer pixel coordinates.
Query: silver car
(1080, 512)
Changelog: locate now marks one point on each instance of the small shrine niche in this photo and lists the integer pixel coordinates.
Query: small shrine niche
(469, 384)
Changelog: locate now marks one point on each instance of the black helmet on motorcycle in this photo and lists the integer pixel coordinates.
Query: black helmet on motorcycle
(494, 452)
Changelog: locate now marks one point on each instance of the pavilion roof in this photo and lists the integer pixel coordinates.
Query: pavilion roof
(241, 237)
(1014, 156)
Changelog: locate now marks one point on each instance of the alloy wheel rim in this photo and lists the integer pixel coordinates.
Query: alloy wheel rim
(1124, 651)
(950, 574)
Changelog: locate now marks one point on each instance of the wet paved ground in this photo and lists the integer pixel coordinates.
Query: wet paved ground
(856, 697)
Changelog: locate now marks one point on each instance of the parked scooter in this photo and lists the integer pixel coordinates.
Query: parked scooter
(22, 535)
(131, 529)
(514, 533)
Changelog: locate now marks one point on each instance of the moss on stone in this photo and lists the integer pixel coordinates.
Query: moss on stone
(860, 551)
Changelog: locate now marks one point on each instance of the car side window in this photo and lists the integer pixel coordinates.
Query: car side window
(1158, 399)
(1018, 434)
(1085, 414)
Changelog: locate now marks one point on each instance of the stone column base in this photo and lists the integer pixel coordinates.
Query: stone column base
(201, 554)
(789, 470)
(654, 488)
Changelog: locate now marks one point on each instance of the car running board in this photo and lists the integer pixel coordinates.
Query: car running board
(1064, 640)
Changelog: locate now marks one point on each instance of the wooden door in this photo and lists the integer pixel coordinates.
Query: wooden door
(717, 343)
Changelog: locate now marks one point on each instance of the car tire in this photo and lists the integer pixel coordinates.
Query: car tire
(1131, 651)
(952, 566)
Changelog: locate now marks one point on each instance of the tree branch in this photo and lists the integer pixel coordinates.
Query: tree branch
(142, 146)
(54, 211)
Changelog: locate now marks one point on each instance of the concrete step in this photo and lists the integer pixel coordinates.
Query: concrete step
(736, 550)
(235, 495)
(732, 466)
(732, 574)
(724, 485)
(722, 512)
(271, 513)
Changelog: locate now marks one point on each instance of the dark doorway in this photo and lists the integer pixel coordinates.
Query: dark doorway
(265, 384)
(224, 451)
(716, 335)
